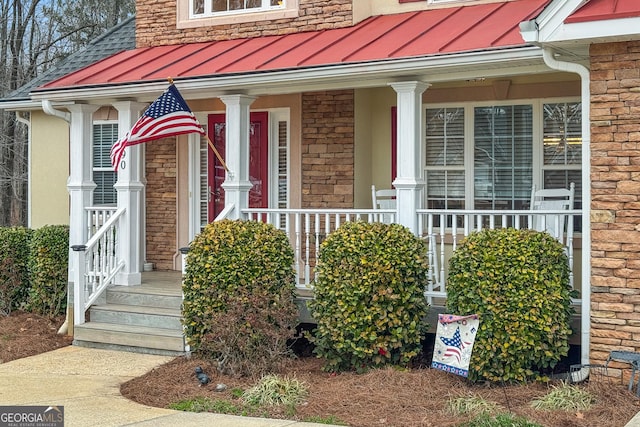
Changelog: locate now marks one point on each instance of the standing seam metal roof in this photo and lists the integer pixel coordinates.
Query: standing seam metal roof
(598, 10)
(379, 38)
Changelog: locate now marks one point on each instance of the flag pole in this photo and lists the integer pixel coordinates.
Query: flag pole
(215, 151)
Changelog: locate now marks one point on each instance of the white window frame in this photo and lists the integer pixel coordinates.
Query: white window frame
(187, 19)
(275, 117)
(469, 140)
(102, 168)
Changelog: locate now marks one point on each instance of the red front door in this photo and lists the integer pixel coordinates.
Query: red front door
(258, 162)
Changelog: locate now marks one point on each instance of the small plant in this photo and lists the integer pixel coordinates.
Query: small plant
(518, 282)
(48, 261)
(368, 297)
(565, 397)
(275, 390)
(329, 419)
(500, 420)
(238, 303)
(204, 404)
(471, 405)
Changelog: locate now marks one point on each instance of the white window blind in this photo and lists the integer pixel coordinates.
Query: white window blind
(503, 154)
(444, 157)
(104, 135)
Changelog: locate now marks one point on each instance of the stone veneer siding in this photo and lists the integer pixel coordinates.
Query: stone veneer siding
(156, 23)
(328, 149)
(615, 192)
(161, 202)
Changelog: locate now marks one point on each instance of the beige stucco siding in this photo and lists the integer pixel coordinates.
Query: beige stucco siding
(48, 170)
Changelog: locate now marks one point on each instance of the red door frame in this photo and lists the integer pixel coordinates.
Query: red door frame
(258, 162)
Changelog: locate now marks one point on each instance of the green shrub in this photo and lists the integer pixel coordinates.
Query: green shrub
(14, 271)
(48, 261)
(518, 281)
(238, 295)
(369, 296)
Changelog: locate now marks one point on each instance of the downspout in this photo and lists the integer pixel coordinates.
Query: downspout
(27, 122)
(48, 108)
(571, 67)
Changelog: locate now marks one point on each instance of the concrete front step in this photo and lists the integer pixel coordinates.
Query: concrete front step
(144, 318)
(135, 338)
(155, 317)
(143, 296)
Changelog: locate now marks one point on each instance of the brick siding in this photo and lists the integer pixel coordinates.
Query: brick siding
(328, 149)
(156, 23)
(615, 192)
(161, 202)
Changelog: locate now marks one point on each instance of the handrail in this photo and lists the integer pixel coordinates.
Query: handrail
(225, 212)
(96, 265)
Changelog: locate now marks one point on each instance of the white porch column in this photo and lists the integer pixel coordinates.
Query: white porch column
(408, 183)
(237, 184)
(80, 182)
(130, 188)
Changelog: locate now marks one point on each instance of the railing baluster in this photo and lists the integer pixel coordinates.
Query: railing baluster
(307, 265)
(452, 223)
(317, 243)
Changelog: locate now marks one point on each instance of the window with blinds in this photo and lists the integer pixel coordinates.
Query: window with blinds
(503, 140)
(489, 157)
(203, 180)
(104, 135)
(444, 156)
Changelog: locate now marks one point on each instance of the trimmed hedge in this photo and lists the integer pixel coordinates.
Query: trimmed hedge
(48, 265)
(369, 296)
(238, 294)
(518, 281)
(14, 271)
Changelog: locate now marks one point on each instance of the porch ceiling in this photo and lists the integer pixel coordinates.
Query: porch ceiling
(377, 48)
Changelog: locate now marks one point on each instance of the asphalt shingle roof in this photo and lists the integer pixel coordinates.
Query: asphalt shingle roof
(119, 38)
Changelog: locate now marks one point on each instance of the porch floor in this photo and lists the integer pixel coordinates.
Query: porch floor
(170, 283)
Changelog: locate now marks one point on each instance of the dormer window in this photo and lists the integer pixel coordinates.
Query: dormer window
(201, 8)
(203, 13)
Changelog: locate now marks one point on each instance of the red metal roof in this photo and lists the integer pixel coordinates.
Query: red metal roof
(413, 34)
(597, 10)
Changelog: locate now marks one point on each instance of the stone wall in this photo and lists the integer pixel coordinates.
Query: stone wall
(156, 23)
(161, 202)
(615, 191)
(328, 149)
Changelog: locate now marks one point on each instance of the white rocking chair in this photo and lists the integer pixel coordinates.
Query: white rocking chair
(383, 199)
(556, 199)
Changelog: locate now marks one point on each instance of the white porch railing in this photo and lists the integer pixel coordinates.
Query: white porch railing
(442, 229)
(307, 228)
(96, 264)
(97, 216)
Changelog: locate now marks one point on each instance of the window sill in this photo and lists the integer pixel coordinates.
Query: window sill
(186, 22)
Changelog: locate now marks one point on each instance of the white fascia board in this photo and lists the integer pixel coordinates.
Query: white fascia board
(553, 16)
(331, 76)
(20, 105)
(610, 29)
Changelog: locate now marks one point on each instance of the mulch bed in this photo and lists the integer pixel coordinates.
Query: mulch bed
(27, 334)
(385, 397)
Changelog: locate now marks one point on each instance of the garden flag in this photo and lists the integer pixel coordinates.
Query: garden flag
(169, 115)
(454, 342)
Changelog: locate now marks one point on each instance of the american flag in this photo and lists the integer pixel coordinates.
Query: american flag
(169, 115)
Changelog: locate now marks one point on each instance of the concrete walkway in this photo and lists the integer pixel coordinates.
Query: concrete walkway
(87, 383)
